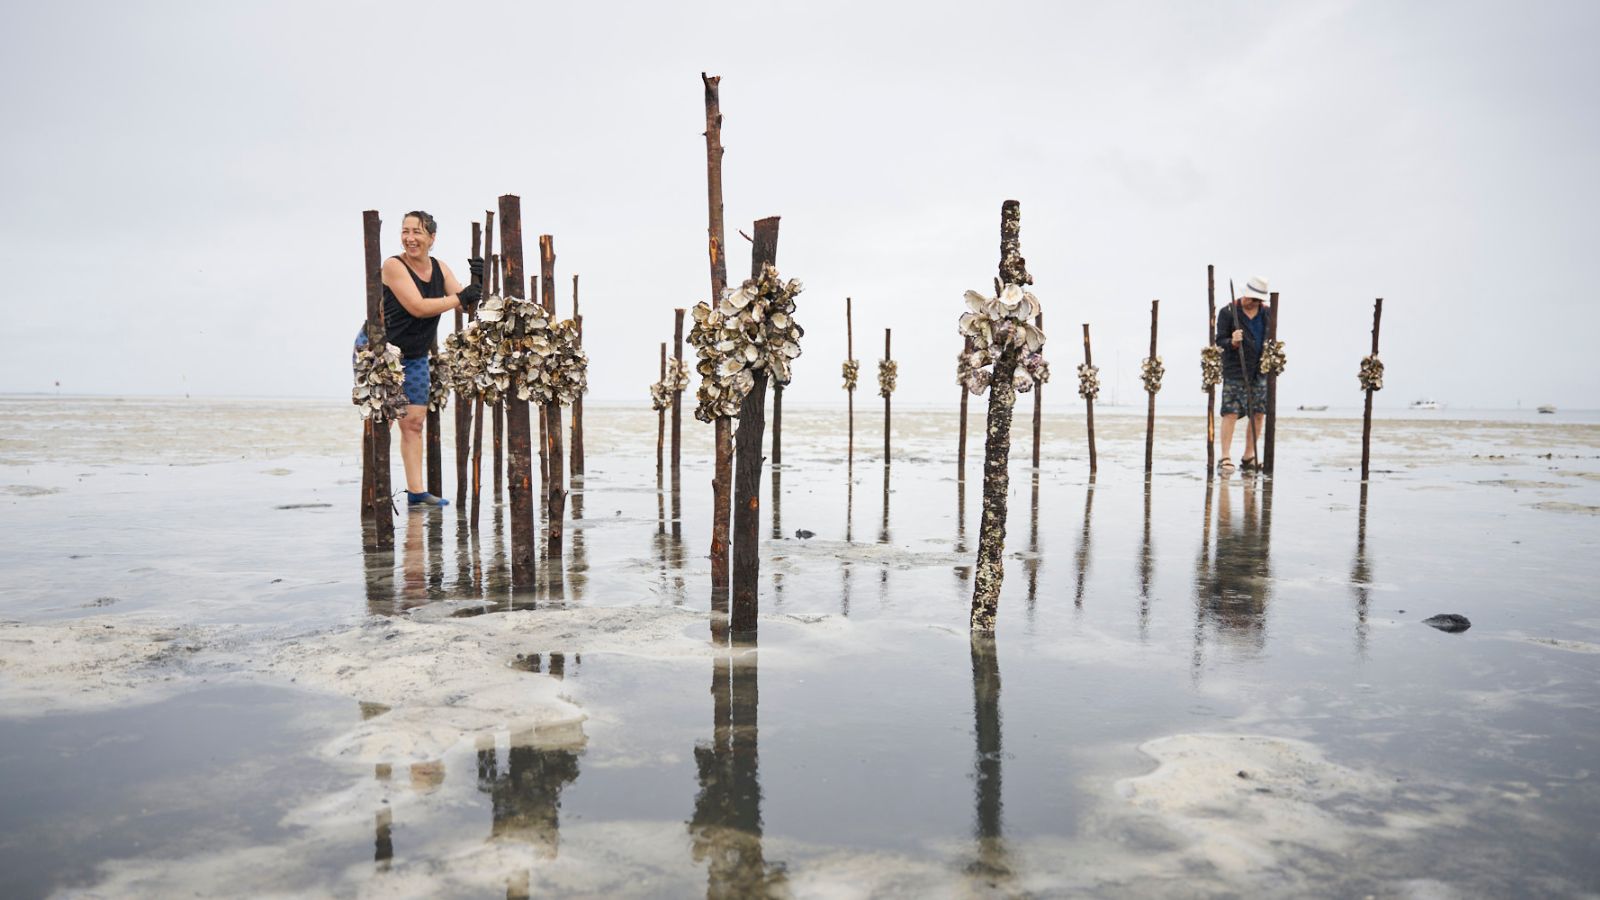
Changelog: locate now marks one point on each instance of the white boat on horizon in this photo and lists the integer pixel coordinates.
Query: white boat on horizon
(1424, 404)
(1547, 408)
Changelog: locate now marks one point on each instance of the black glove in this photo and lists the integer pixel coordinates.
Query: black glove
(469, 298)
(476, 265)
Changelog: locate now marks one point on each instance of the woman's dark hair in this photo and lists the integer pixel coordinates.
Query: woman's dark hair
(428, 224)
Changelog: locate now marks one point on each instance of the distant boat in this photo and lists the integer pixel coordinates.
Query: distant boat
(1306, 407)
(1547, 408)
(1424, 404)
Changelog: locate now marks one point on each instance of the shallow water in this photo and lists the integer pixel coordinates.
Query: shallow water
(868, 747)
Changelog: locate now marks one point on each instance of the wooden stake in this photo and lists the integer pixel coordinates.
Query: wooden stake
(477, 463)
(1150, 415)
(1366, 414)
(497, 279)
(377, 336)
(1088, 402)
(1211, 392)
(1271, 429)
(519, 457)
(463, 410)
(888, 357)
(961, 429)
(677, 399)
(990, 570)
(577, 403)
(722, 480)
(850, 395)
(747, 472)
(547, 298)
(1038, 407)
(555, 459)
(661, 420)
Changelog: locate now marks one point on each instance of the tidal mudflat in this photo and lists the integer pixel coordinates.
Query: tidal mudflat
(1197, 688)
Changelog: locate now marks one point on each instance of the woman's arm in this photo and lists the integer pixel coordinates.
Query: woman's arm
(398, 281)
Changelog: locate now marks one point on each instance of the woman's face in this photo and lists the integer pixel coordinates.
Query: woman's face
(415, 239)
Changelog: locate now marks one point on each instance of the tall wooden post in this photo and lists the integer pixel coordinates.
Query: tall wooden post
(888, 357)
(1366, 415)
(747, 472)
(722, 478)
(1150, 414)
(1271, 430)
(577, 402)
(463, 407)
(1211, 392)
(519, 456)
(377, 462)
(555, 459)
(1088, 402)
(850, 395)
(1038, 407)
(677, 398)
(990, 570)
(661, 421)
(498, 411)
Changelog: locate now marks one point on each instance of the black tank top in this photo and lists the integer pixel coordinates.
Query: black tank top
(412, 335)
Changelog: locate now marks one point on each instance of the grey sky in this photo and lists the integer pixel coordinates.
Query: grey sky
(183, 182)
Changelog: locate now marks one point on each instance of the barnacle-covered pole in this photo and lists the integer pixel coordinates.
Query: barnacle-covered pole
(1004, 349)
(377, 462)
(556, 493)
(961, 428)
(661, 415)
(463, 411)
(519, 453)
(547, 296)
(722, 476)
(577, 403)
(747, 465)
(1211, 388)
(677, 397)
(1371, 380)
(1270, 432)
(852, 370)
(1088, 389)
(499, 409)
(1152, 383)
(886, 377)
(1038, 416)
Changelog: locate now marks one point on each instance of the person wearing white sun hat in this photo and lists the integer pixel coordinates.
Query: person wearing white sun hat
(1241, 332)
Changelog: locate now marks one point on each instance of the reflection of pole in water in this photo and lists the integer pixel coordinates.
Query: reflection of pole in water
(435, 539)
(525, 787)
(988, 804)
(1031, 564)
(963, 569)
(1361, 575)
(1240, 577)
(883, 538)
(777, 504)
(1202, 577)
(379, 570)
(578, 568)
(1146, 568)
(1082, 556)
(413, 564)
(726, 829)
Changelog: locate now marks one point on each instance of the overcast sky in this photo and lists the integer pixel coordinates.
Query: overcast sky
(183, 182)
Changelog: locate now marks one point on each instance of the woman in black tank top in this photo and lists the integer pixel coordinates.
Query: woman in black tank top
(416, 289)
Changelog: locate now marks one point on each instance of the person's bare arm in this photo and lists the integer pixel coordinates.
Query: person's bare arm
(398, 281)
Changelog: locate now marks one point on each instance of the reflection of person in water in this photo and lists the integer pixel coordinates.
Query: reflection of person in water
(1237, 590)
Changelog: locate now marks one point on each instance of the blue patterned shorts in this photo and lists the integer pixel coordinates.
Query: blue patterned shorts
(418, 380)
(1233, 396)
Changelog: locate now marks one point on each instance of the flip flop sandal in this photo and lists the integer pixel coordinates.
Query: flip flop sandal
(1224, 465)
(1249, 465)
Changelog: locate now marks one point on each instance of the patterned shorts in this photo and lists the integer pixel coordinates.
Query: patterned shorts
(418, 380)
(1233, 396)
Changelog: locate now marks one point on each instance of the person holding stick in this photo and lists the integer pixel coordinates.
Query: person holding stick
(1241, 333)
(416, 289)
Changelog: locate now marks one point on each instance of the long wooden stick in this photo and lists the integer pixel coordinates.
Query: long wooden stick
(555, 459)
(498, 411)
(1088, 402)
(519, 455)
(1038, 406)
(1267, 454)
(377, 336)
(850, 395)
(747, 469)
(1366, 414)
(463, 411)
(1211, 392)
(888, 357)
(677, 398)
(577, 403)
(1150, 414)
(661, 420)
(721, 484)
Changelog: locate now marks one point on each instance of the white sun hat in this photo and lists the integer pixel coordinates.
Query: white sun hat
(1256, 287)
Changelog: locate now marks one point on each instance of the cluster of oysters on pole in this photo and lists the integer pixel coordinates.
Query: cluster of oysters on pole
(996, 325)
(751, 329)
(380, 383)
(513, 347)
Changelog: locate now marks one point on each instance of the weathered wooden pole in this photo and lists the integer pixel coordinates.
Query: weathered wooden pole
(463, 407)
(990, 570)
(577, 402)
(1211, 390)
(1271, 429)
(747, 469)
(850, 391)
(500, 417)
(722, 478)
(555, 492)
(477, 462)
(888, 357)
(1038, 408)
(661, 421)
(1088, 402)
(519, 455)
(1366, 414)
(677, 398)
(961, 429)
(1150, 414)
(377, 462)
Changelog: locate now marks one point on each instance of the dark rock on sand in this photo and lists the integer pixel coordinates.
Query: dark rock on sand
(1449, 622)
(802, 534)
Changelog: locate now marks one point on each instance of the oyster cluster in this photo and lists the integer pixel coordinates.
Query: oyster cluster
(513, 347)
(1371, 373)
(677, 375)
(852, 374)
(995, 326)
(1151, 371)
(380, 383)
(438, 380)
(888, 374)
(1088, 381)
(660, 396)
(1210, 367)
(1272, 358)
(751, 329)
